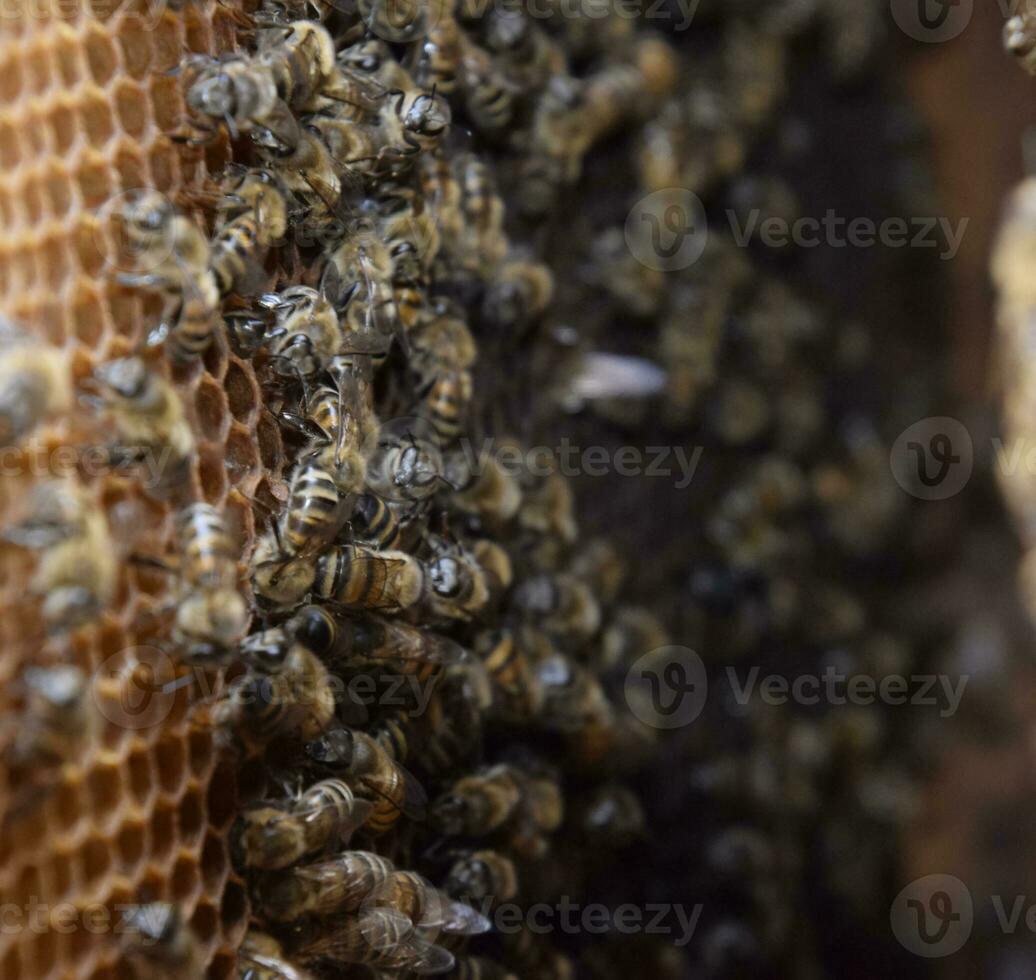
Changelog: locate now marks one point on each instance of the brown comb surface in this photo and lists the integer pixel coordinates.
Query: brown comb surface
(88, 96)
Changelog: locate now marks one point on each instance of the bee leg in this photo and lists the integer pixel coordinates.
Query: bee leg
(158, 336)
(150, 280)
(65, 609)
(150, 561)
(304, 425)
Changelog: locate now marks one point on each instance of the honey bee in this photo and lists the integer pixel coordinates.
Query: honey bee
(340, 414)
(375, 523)
(479, 804)
(632, 632)
(305, 166)
(157, 937)
(306, 333)
(358, 577)
(481, 243)
(353, 576)
(633, 90)
(274, 835)
(341, 884)
(405, 466)
(175, 255)
(301, 60)
(261, 957)
(573, 697)
(287, 691)
(398, 21)
(481, 968)
(598, 564)
(434, 61)
(457, 584)
(358, 147)
(1020, 40)
(417, 122)
(379, 938)
(78, 570)
(149, 420)
(364, 761)
(533, 956)
(441, 193)
(518, 294)
(451, 727)
(483, 876)
(483, 487)
(253, 216)
(340, 638)
(412, 237)
(59, 717)
(427, 907)
(541, 814)
(558, 139)
(490, 98)
(613, 816)
(324, 485)
(358, 279)
(373, 57)
(34, 383)
(616, 269)
(211, 615)
(442, 352)
(238, 93)
(519, 694)
(529, 55)
(547, 509)
(560, 604)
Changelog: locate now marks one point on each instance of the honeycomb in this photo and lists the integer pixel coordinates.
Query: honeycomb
(142, 813)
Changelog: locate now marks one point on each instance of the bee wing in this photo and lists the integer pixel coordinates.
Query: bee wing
(601, 375)
(274, 967)
(407, 644)
(415, 799)
(425, 958)
(449, 915)
(359, 811)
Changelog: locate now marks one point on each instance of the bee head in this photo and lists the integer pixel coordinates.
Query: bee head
(428, 115)
(126, 377)
(446, 576)
(335, 747)
(214, 96)
(266, 652)
(60, 687)
(449, 814)
(312, 628)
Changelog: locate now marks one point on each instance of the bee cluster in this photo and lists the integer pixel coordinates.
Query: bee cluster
(326, 325)
(1012, 265)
